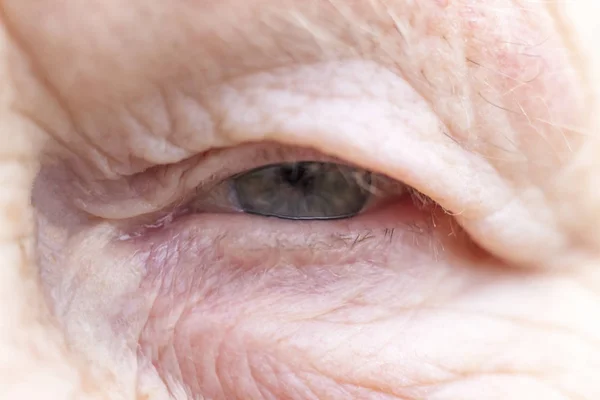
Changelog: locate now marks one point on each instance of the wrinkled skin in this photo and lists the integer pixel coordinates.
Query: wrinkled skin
(491, 290)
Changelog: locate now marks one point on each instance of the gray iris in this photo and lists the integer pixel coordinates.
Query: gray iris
(303, 190)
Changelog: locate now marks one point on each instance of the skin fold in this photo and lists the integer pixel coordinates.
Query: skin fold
(476, 277)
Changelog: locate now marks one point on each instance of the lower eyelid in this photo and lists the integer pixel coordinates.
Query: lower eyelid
(274, 233)
(386, 221)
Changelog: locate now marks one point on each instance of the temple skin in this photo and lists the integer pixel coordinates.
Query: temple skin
(117, 115)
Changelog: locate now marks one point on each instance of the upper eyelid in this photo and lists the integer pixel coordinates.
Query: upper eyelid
(167, 188)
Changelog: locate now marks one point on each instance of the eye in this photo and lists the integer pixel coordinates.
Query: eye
(265, 179)
(303, 190)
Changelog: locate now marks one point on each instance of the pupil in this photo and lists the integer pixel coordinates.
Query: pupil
(295, 175)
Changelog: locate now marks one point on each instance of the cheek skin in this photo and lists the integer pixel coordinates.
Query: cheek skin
(210, 306)
(231, 309)
(226, 291)
(230, 306)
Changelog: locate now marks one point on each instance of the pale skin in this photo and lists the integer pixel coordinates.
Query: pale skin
(113, 113)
